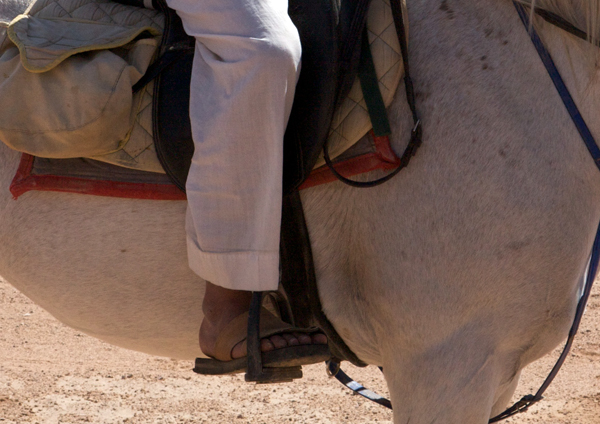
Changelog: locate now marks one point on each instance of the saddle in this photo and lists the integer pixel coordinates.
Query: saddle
(312, 110)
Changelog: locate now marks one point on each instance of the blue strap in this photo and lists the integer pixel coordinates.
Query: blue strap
(560, 85)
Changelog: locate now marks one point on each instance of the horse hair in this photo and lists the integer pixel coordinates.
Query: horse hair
(585, 14)
(11, 8)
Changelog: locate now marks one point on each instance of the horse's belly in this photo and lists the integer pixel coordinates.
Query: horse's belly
(115, 269)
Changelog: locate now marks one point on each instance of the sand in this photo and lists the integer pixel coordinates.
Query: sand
(50, 373)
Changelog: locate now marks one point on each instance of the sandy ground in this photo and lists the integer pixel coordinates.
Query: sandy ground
(52, 374)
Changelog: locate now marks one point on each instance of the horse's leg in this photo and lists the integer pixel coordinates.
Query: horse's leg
(451, 383)
(457, 382)
(505, 396)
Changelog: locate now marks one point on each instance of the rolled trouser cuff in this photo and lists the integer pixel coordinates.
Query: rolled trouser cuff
(250, 271)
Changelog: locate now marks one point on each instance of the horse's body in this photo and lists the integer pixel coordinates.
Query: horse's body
(452, 276)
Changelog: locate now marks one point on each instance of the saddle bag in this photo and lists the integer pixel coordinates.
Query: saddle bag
(66, 84)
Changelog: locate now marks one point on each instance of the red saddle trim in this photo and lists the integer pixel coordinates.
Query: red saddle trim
(24, 181)
(382, 158)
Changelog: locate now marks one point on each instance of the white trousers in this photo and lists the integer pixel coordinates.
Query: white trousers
(245, 69)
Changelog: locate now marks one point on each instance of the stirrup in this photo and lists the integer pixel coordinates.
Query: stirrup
(279, 365)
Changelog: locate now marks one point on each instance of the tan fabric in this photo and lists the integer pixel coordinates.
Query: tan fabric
(75, 105)
(351, 121)
(80, 108)
(44, 43)
(137, 151)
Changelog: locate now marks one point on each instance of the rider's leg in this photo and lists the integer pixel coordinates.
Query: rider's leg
(245, 69)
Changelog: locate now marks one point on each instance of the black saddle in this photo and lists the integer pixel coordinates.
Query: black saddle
(312, 109)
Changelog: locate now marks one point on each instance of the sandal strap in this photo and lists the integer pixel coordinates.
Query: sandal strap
(237, 330)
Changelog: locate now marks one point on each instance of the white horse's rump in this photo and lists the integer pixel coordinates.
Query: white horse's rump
(452, 276)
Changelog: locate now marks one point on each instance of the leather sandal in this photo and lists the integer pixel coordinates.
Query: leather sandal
(236, 332)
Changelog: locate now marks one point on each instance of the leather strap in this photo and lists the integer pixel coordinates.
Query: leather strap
(562, 23)
(299, 280)
(370, 88)
(174, 53)
(417, 131)
(353, 17)
(333, 368)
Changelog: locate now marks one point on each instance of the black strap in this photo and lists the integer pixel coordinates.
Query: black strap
(334, 370)
(402, 37)
(562, 23)
(254, 355)
(299, 280)
(353, 12)
(169, 57)
(369, 84)
(416, 133)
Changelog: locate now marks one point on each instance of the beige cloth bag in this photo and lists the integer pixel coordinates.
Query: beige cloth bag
(66, 78)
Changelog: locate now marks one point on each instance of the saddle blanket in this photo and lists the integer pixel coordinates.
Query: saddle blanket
(88, 176)
(95, 51)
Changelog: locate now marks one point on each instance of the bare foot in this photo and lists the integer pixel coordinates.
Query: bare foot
(221, 306)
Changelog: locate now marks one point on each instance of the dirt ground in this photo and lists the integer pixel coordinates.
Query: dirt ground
(52, 374)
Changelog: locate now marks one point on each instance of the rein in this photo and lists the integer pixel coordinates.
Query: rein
(333, 367)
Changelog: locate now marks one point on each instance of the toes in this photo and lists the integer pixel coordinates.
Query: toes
(319, 338)
(239, 350)
(278, 341)
(266, 345)
(295, 339)
(290, 339)
(303, 338)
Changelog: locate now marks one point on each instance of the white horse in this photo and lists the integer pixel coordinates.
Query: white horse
(453, 276)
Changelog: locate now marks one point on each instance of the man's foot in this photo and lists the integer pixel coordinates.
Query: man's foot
(221, 306)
